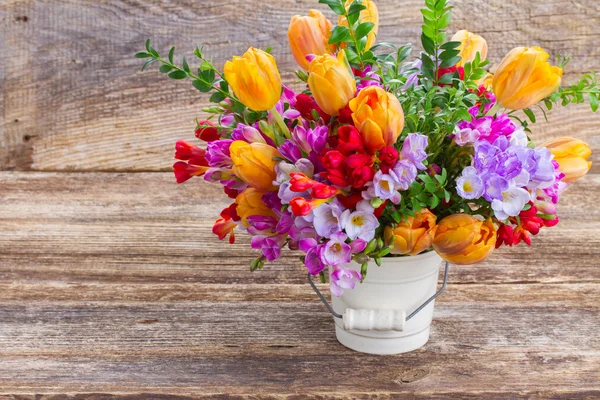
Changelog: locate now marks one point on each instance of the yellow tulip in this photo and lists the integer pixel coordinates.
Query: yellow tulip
(486, 81)
(249, 203)
(369, 14)
(253, 163)
(331, 82)
(525, 77)
(378, 116)
(413, 235)
(309, 35)
(254, 79)
(463, 239)
(571, 155)
(471, 44)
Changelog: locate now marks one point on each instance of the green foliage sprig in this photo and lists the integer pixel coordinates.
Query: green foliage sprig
(438, 53)
(355, 34)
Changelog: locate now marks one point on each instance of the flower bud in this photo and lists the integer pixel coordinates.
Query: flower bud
(331, 82)
(254, 163)
(463, 239)
(571, 155)
(524, 78)
(412, 235)
(254, 78)
(470, 45)
(309, 35)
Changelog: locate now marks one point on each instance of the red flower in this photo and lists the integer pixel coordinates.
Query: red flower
(360, 176)
(529, 223)
(323, 191)
(302, 207)
(379, 210)
(451, 70)
(230, 213)
(206, 132)
(306, 105)
(184, 171)
(351, 200)
(388, 155)
(345, 116)
(349, 140)
(336, 177)
(224, 227)
(358, 160)
(189, 152)
(231, 193)
(300, 182)
(333, 159)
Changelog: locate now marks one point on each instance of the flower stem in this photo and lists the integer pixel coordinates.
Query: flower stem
(493, 110)
(279, 121)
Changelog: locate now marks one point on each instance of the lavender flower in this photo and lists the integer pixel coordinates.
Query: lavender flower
(248, 134)
(327, 218)
(336, 251)
(512, 202)
(413, 149)
(469, 185)
(311, 139)
(405, 173)
(386, 186)
(343, 278)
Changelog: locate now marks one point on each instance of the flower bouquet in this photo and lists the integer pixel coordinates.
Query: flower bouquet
(380, 158)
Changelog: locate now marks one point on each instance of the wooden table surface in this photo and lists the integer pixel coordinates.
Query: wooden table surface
(113, 286)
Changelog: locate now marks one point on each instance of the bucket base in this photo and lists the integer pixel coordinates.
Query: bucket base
(373, 345)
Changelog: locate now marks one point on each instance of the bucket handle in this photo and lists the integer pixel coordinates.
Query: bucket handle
(380, 320)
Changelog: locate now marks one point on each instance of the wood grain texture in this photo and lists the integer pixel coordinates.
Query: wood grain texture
(113, 286)
(72, 96)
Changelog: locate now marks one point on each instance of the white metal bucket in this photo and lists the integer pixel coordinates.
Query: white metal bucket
(375, 312)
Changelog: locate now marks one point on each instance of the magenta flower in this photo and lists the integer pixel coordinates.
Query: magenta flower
(217, 153)
(270, 246)
(248, 134)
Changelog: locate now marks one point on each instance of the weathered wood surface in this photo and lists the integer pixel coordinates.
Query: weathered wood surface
(72, 96)
(111, 284)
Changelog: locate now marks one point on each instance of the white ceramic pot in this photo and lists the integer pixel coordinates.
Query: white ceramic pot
(375, 311)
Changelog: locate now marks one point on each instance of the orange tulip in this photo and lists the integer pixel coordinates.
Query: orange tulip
(463, 239)
(525, 77)
(471, 44)
(254, 79)
(378, 116)
(369, 14)
(331, 82)
(249, 203)
(309, 35)
(413, 235)
(571, 155)
(253, 163)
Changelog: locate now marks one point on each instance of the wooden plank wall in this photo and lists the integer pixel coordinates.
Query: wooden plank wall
(72, 96)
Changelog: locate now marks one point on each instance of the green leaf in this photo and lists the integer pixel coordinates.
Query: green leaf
(178, 74)
(529, 114)
(237, 107)
(450, 62)
(428, 31)
(444, 21)
(427, 67)
(434, 202)
(339, 34)
(142, 54)
(428, 44)
(165, 68)
(186, 66)
(171, 54)
(593, 101)
(201, 86)
(548, 104)
(450, 45)
(335, 5)
(148, 45)
(147, 63)
(217, 97)
(364, 29)
(447, 54)
(224, 86)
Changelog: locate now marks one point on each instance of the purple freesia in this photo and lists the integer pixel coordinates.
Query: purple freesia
(290, 151)
(413, 149)
(336, 251)
(311, 139)
(217, 153)
(405, 173)
(248, 134)
(312, 261)
(386, 186)
(327, 218)
(342, 279)
(469, 185)
(270, 246)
